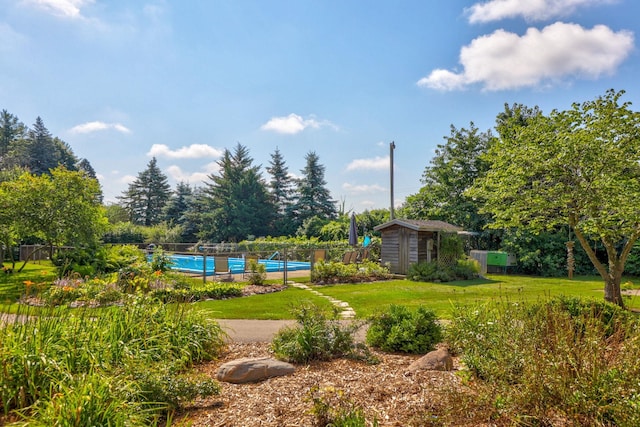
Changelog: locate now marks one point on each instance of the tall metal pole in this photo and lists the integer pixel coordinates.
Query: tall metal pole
(392, 146)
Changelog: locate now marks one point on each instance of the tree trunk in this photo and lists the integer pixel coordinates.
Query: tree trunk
(612, 291)
(613, 276)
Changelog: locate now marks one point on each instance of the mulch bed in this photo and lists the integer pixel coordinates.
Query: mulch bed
(384, 391)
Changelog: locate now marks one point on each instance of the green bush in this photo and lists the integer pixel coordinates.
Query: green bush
(317, 337)
(160, 261)
(399, 329)
(257, 273)
(337, 272)
(565, 359)
(161, 382)
(464, 269)
(209, 290)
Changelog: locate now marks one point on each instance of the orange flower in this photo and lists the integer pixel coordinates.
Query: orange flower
(67, 288)
(158, 273)
(28, 283)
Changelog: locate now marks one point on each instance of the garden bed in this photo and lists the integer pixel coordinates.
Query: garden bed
(384, 391)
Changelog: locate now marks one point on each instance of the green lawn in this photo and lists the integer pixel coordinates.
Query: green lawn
(366, 298)
(277, 305)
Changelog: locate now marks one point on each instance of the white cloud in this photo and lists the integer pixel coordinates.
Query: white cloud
(293, 124)
(127, 179)
(193, 151)
(178, 174)
(530, 10)
(362, 189)
(504, 60)
(99, 126)
(63, 8)
(377, 163)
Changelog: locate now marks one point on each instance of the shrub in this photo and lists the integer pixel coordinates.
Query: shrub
(399, 329)
(463, 269)
(257, 273)
(317, 337)
(337, 272)
(160, 261)
(161, 382)
(564, 359)
(209, 290)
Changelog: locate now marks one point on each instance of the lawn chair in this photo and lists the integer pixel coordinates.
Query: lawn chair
(221, 267)
(349, 257)
(365, 255)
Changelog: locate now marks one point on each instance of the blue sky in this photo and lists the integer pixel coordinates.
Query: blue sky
(122, 81)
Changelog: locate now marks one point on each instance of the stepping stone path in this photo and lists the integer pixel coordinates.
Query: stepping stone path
(346, 312)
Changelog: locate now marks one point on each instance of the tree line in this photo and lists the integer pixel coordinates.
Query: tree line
(235, 203)
(35, 149)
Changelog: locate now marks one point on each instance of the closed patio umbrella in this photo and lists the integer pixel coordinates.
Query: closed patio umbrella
(353, 231)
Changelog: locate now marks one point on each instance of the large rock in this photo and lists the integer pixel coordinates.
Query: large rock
(438, 360)
(249, 370)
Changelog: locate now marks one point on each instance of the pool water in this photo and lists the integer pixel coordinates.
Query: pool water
(193, 264)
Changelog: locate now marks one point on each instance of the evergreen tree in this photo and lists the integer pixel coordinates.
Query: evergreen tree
(11, 130)
(281, 187)
(147, 195)
(85, 165)
(238, 202)
(314, 198)
(65, 154)
(178, 204)
(41, 151)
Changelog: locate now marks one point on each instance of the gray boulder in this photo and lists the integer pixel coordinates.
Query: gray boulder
(438, 360)
(248, 370)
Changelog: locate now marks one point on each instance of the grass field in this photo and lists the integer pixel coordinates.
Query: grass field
(366, 298)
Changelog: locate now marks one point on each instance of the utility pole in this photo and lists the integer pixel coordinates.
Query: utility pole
(392, 147)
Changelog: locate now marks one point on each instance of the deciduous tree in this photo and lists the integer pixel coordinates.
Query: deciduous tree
(453, 170)
(579, 167)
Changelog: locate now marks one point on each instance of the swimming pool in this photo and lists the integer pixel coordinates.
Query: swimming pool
(193, 264)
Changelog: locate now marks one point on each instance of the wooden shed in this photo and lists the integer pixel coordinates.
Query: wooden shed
(408, 241)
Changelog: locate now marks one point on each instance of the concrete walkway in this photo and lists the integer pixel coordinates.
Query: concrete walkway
(246, 331)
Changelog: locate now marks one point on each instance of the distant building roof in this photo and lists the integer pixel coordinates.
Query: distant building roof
(420, 225)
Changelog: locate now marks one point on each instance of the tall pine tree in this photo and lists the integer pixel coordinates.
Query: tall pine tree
(146, 197)
(11, 131)
(41, 151)
(314, 199)
(282, 193)
(238, 200)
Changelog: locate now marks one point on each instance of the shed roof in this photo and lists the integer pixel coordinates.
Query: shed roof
(420, 225)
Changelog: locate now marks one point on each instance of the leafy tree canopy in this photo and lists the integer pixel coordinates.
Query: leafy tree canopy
(579, 167)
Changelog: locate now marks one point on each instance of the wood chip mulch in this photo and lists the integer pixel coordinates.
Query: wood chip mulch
(384, 391)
